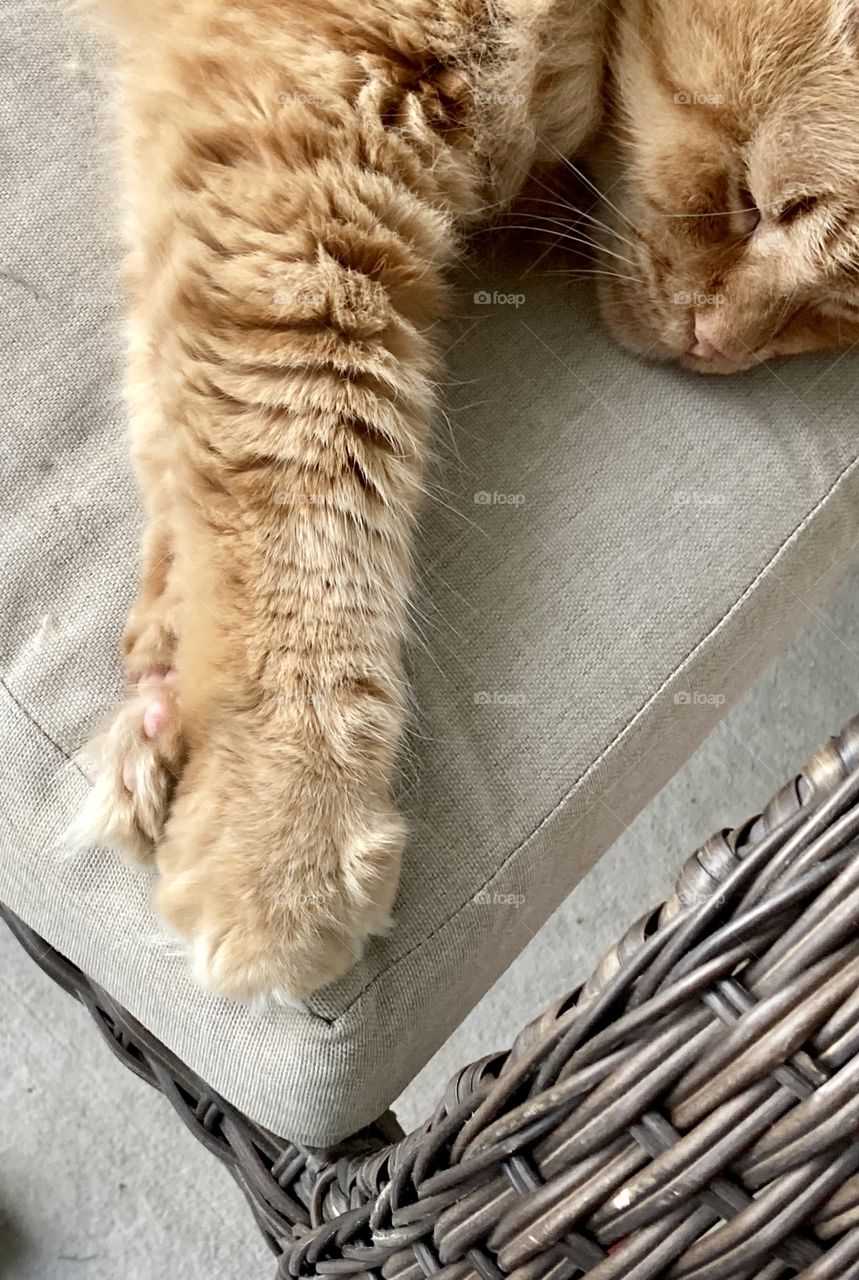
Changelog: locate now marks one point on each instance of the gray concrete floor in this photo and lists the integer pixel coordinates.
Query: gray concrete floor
(99, 1181)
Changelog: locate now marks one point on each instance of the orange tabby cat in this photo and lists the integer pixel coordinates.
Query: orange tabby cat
(737, 223)
(300, 173)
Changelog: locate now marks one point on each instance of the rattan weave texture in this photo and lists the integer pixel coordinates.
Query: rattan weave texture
(691, 1113)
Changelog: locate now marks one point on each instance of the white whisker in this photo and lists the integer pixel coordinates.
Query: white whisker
(614, 275)
(563, 235)
(581, 213)
(584, 178)
(593, 244)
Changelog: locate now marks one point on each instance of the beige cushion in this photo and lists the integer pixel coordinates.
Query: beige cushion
(648, 542)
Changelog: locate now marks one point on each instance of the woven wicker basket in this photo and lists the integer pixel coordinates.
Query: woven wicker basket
(691, 1113)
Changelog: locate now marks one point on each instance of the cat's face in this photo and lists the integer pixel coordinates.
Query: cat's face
(734, 170)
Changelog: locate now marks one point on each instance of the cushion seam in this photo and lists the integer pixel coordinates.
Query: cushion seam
(40, 728)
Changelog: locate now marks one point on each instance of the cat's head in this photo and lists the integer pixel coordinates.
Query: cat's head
(734, 172)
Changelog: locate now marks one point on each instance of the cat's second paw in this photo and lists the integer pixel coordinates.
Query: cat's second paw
(275, 886)
(136, 761)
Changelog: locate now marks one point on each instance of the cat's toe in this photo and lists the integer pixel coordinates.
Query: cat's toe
(135, 761)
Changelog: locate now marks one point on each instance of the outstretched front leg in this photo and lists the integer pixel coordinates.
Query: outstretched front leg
(296, 250)
(302, 172)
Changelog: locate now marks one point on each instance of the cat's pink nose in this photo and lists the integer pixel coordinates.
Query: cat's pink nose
(704, 345)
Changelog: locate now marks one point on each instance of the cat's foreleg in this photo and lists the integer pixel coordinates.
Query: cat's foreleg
(302, 363)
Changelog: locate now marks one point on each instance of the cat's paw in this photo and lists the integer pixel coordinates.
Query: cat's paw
(135, 760)
(275, 889)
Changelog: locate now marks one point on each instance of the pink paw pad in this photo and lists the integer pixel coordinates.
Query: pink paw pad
(156, 716)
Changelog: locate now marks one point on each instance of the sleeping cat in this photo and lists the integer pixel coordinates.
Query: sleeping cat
(300, 175)
(736, 128)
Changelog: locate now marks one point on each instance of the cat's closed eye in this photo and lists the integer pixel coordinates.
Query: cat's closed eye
(797, 209)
